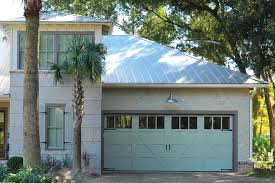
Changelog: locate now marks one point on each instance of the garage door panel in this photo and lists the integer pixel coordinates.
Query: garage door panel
(149, 149)
(152, 163)
(120, 149)
(122, 137)
(202, 148)
(119, 163)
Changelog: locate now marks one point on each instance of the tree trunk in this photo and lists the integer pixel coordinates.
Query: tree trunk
(31, 148)
(271, 122)
(78, 106)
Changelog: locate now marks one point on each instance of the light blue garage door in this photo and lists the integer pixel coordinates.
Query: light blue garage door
(168, 142)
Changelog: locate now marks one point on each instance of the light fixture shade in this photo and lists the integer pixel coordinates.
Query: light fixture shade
(171, 100)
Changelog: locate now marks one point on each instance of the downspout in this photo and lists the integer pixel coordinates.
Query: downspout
(252, 94)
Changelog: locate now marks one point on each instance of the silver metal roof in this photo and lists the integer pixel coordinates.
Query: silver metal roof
(132, 59)
(57, 17)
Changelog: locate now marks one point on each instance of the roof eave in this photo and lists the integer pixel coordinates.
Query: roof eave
(58, 22)
(182, 85)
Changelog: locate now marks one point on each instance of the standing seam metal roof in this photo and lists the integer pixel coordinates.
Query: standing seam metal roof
(132, 59)
(63, 17)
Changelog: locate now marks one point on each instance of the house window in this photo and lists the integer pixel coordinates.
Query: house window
(52, 48)
(55, 127)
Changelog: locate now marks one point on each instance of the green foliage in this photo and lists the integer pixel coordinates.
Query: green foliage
(3, 172)
(28, 175)
(261, 148)
(15, 163)
(83, 60)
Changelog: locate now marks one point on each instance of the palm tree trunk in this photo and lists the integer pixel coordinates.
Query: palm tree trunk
(31, 149)
(78, 106)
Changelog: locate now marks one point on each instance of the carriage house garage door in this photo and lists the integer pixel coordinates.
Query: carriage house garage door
(168, 142)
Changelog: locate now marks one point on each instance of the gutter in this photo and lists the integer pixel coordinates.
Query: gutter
(251, 96)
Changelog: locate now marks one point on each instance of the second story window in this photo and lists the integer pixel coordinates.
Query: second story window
(52, 49)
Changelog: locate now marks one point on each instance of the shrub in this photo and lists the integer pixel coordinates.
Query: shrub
(15, 163)
(50, 164)
(3, 172)
(261, 147)
(28, 175)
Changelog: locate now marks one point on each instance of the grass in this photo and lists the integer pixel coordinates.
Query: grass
(263, 169)
(265, 174)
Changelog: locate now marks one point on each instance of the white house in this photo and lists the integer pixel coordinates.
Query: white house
(131, 124)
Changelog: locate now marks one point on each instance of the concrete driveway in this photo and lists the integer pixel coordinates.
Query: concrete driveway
(176, 178)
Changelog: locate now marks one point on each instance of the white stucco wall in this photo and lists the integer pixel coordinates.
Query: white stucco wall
(189, 100)
(52, 93)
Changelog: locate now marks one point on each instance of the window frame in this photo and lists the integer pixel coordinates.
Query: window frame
(92, 33)
(47, 129)
(230, 122)
(114, 122)
(147, 122)
(188, 122)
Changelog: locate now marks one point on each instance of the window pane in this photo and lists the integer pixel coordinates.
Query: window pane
(160, 122)
(226, 123)
(43, 60)
(151, 122)
(21, 41)
(61, 57)
(59, 116)
(21, 60)
(59, 138)
(2, 133)
(52, 137)
(110, 122)
(207, 123)
(142, 122)
(193, 123)
(2, 117)
(43, 42)
(52, 122)
(175, 122)
(50, 43)
(217, 122)
(184, 123)
(123, 121)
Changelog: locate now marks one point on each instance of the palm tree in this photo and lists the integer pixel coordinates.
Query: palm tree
(31, 149)
(83, 60)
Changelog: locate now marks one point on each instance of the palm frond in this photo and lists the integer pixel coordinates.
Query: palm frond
(57, 72)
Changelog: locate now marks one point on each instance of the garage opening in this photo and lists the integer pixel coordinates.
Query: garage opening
(168, 142)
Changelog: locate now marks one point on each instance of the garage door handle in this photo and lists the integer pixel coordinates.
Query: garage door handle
(169, 147)
(166, 147)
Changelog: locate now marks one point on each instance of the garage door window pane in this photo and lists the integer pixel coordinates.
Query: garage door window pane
(175, 122)
(160, 122)
(151, 122)
(123, 121)
(184, 123)
(207, 123)
(193, 123)
(110, 122)
(217, 122)
(226, 123)
(142, 122)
